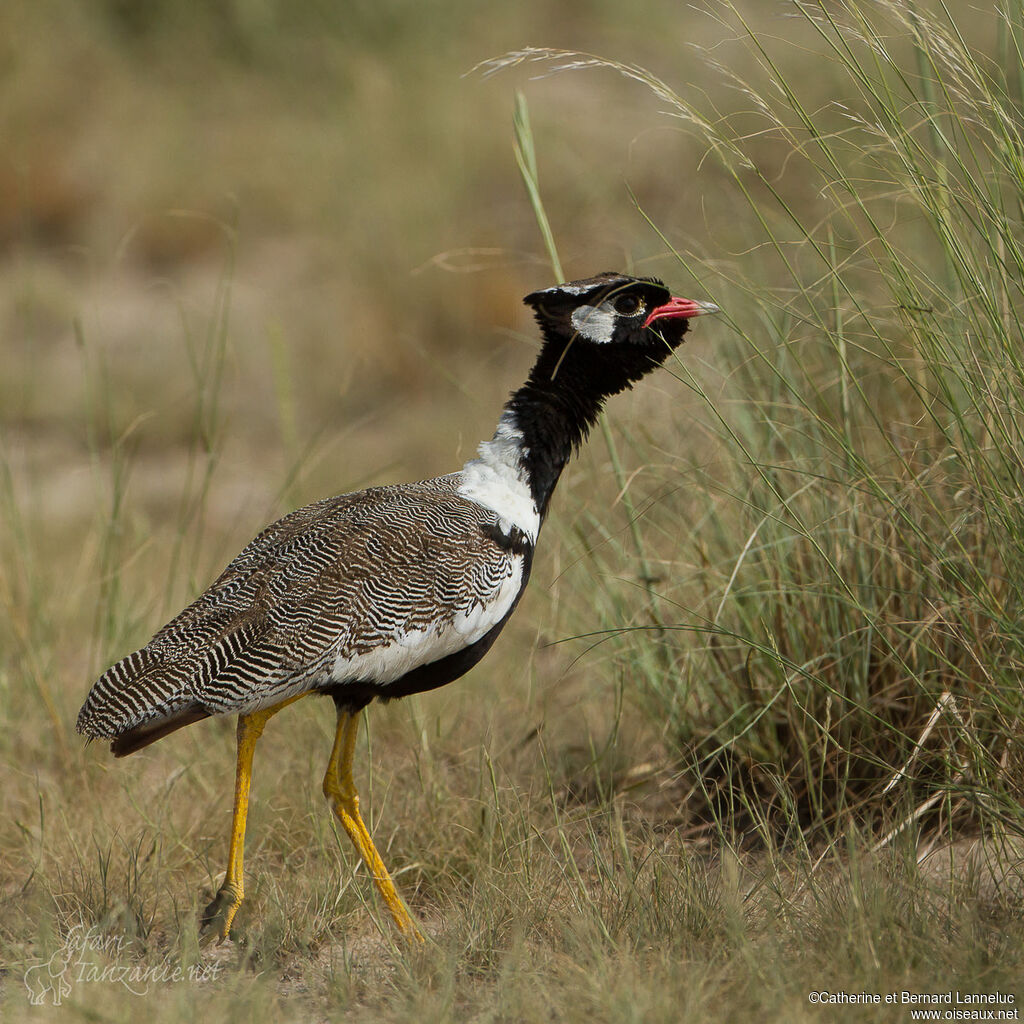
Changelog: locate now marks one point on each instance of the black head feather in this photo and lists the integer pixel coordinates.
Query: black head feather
(601, 335)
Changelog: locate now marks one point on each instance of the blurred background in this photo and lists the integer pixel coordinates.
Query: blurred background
(333, 188)
(253, 253)
(345, 171)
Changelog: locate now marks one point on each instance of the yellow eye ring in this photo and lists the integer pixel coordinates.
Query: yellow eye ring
(628, 305)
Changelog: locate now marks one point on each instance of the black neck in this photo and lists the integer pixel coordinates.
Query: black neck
(562, 399)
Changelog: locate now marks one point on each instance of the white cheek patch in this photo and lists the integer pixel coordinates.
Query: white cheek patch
(595, 323)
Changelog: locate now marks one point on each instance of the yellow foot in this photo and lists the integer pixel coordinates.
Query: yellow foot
(219, 915)
(340, 791)
(399, 912)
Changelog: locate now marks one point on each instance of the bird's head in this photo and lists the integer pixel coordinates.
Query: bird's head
(612, 321)
(614, 309)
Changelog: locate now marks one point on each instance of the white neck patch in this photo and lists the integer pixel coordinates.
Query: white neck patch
(595, 323)
(498, 481)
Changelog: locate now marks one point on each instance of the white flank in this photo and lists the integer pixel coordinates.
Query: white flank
(498, 481)
(595, 323)
(408, 651)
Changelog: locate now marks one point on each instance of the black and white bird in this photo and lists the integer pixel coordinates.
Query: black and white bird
(392, 590)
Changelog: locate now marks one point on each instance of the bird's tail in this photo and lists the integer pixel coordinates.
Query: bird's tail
(137, 701)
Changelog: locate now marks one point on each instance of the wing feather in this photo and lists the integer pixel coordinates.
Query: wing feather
(320, 597)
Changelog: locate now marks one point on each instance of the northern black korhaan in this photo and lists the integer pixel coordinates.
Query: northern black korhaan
(391, 590)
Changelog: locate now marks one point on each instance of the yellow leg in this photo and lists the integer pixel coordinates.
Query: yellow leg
(229, 898)
(340, 790)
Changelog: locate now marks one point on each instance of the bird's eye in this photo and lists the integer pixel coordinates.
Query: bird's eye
(627, 305)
